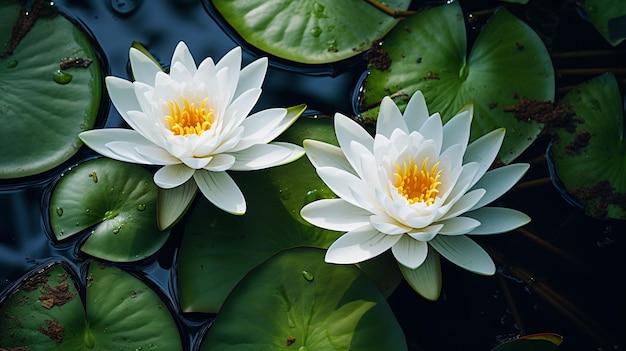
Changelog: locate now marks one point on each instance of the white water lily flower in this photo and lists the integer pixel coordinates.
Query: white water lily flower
(194, 122)
(416, 188)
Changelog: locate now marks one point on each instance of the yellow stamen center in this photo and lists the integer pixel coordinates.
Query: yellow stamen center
(190, 119)
(418, 184)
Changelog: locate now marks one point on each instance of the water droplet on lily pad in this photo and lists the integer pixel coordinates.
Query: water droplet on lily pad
(59, 211)
(61, 77)
(316, 31)
(308, 276)
(141, 207)
(303, 348)
(12, 63)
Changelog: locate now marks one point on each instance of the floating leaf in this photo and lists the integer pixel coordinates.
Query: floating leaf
(221, 248)
(508, 62)
(119, 199)
(121, 313)
(309, 31)
(608, 17)
(43, 117)
(590, 156)
(295, 301)
(535, 342)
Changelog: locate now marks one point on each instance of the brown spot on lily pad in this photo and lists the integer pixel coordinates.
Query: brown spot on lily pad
(377, 57)
(543, 112)
(55, 330)
(56, 295)
(598, 198)
(581, 139)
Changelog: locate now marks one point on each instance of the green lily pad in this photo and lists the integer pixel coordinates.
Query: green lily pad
(119, 199)
(120, 313)
(42, 118)
(608, 17)
(507, 62)
(295, 301)
(309, 31)
(222, 248)
(535, 342)
(590, 158)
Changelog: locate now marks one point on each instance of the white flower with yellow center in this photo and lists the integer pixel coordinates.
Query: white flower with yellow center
(194, 122)
(416, 188)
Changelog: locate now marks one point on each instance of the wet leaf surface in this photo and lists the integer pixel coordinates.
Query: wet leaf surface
(51, 87)
(117, 200)
(296, 301)
(310, 31)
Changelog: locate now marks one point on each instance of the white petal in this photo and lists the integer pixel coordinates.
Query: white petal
(458, 225)
(388, 225)
(221, 190)
(156, 155)
(122, 94)
(425, 279)
(144, 125)
(345, 185)
(326, 155)
(183, 56)
(389, 118)
(173, 203)
(464, 203)
(349, 131)
(409, 252)
(416, 112)
(359, 245)
(296, 152)
(98, 139)
(426, 233)
(144, 69)
(220, 162)
(231, 63)
(172, 176)
(240, 108)
(496, 220)
(335, 214)
(196, 162)
(484, 150)
(499, 181)
(127, 152)
(252, 76)
(457, 130)
(262, 156)
(180, 74)
(258, 126)
(433, 130)
(465, 253)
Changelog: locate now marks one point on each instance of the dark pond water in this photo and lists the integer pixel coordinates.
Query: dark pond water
(564, 274)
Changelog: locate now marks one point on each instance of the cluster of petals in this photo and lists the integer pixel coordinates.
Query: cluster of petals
(227, 138)
(374, 210)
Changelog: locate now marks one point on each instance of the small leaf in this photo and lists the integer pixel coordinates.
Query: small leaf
(589, 154)
(118, 199)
